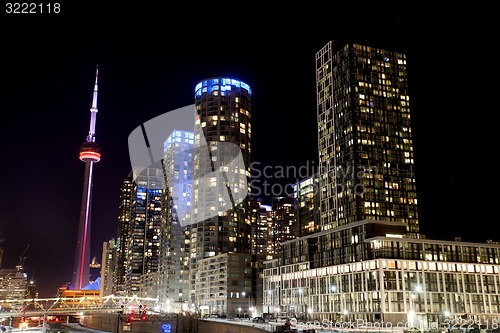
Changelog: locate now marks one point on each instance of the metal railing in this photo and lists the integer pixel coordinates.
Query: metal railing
(71, 305)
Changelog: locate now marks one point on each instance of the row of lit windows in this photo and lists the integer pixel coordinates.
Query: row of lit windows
(272, 275)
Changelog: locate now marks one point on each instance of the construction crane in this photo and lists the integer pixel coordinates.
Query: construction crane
(22, 258)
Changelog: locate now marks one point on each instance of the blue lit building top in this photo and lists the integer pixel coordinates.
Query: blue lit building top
(221, 85)
(178, 136)
(267, 208)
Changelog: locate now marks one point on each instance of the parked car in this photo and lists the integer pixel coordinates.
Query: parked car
(258, 320)
(211, 315)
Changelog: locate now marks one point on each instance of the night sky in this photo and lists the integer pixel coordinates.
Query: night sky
(149, 63)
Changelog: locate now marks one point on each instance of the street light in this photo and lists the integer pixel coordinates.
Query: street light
(412, 313)
(301, 303)
(243, 294)
(277, 311)
(268, 301)
(251, 299)
(309, 313)
(411, 318)
(249, 303)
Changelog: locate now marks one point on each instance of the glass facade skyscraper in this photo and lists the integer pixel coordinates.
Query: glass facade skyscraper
(124, 220)
(143, 232)
(173, 289)
(364, 136)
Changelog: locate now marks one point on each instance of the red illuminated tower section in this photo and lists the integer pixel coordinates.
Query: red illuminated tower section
(90, 154)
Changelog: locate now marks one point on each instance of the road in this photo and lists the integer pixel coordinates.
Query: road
(269, 326)
(72, 327)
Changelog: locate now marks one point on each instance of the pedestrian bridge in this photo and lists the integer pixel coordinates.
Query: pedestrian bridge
(74, 305)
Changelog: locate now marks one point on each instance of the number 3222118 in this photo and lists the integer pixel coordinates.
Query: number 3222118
(32, 8)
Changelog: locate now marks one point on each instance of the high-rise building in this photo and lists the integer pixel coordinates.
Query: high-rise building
(13, 284)
(144, 232)
(220, 224)
(305, 194)
(177, 165)
(108, 268)
(364, 137)
(173, 295)
(90, 153)
(263, 249)
(261, 219)
(138, 244)
(138, 241)
(368, 264)
(124, 220)
(284, 225)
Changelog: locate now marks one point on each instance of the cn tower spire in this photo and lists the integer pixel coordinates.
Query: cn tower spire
(93, 110)
(90, 154)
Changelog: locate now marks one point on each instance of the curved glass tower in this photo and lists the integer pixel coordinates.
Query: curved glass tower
(220, 219)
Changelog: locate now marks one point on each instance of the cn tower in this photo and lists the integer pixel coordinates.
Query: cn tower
(90, 154)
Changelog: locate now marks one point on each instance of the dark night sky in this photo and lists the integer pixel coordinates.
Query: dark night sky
(149, 62)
